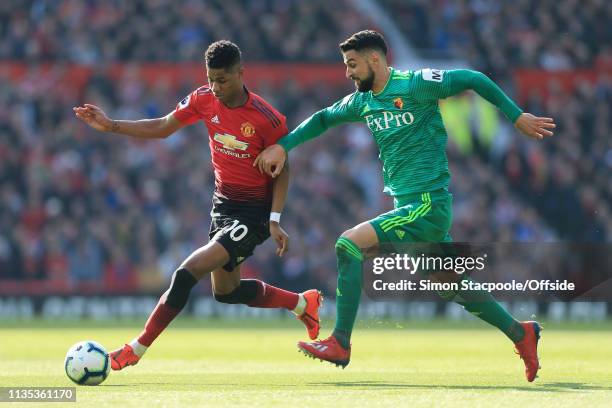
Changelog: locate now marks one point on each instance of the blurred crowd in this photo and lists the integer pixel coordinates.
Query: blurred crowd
(94, 31)
(498, 36)
(100, 212)
(569, 181)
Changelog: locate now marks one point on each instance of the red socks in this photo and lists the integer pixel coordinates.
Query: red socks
(159, 319)
(269, 296)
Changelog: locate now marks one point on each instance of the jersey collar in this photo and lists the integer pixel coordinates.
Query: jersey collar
(245, 103)
(391, 69)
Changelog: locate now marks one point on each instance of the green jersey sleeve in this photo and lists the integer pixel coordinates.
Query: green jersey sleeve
(432, 84)
(343, 111)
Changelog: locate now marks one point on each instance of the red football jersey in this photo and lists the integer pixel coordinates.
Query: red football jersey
(236, 136)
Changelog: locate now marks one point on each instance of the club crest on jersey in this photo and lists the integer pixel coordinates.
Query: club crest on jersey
(229, 142)
(247, 129)
(399, 103)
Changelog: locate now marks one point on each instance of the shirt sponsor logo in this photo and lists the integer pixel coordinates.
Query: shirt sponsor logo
(389, 119)
(232, 153)
(229, 142)
(230, 145)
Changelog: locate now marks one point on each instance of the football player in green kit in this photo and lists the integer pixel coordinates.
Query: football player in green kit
(401, 110)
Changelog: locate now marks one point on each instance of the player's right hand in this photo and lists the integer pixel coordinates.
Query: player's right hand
(271, 160)
(94, 117)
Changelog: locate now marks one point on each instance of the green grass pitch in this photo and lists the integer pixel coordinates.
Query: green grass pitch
(256, 363)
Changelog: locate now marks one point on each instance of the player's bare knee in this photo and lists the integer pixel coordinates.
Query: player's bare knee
(225, 289)
(205, 259)
(349, 234)
(362, 235)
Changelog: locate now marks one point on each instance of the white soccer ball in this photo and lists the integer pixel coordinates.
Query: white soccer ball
(87, 363)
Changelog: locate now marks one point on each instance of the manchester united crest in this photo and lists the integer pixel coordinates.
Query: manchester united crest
(399, 103)
(247, 129)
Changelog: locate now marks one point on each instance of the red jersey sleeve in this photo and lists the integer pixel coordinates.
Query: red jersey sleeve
(187, 109)
(275, 133)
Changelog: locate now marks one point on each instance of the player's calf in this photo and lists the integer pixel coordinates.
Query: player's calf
(244, 293)
(169, 306)
(255, 293)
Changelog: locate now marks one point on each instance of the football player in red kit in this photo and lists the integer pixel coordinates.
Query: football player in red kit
(246, 204)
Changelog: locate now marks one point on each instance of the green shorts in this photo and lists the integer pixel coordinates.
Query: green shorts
(422, 217)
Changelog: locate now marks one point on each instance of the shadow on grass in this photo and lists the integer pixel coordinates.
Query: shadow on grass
(165, 385)
(577, 386)
(387, 385)
(536, 387)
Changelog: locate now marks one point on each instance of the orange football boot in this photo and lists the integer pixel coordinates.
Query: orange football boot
(310, 317)
(123, 357)
(327, 350)
(528, 349)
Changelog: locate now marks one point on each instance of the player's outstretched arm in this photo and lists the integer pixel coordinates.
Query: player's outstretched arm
(272, 159)
(530, 125)
(279, 195)
(156, 128)
(441, 84)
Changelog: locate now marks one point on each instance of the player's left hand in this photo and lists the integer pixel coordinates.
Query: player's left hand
(271, 160)
(281, 238)
(534, 126)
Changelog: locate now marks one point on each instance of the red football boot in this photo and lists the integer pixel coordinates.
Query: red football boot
(310, 317)
(327, 350)
(123, 357)
(528, 349)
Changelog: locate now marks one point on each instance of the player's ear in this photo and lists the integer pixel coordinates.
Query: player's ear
(373, 57)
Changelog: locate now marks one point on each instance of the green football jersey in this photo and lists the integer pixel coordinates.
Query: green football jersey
(405, 120)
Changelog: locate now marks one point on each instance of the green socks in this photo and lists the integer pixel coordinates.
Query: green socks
(348, 293)
(481, 304)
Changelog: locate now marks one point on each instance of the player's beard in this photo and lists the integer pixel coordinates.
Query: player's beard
(366, 84)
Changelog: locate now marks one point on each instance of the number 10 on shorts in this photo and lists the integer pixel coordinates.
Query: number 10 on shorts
(237, 231)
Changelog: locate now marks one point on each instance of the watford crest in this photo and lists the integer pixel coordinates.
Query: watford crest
(399, 103)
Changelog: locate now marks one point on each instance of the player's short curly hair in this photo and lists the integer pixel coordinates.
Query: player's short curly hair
(363, 40)
(222, 54)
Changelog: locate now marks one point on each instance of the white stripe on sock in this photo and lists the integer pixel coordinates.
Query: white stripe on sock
(138, 348)
(301, 305)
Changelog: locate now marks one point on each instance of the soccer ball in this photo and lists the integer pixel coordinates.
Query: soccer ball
(87, 363)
